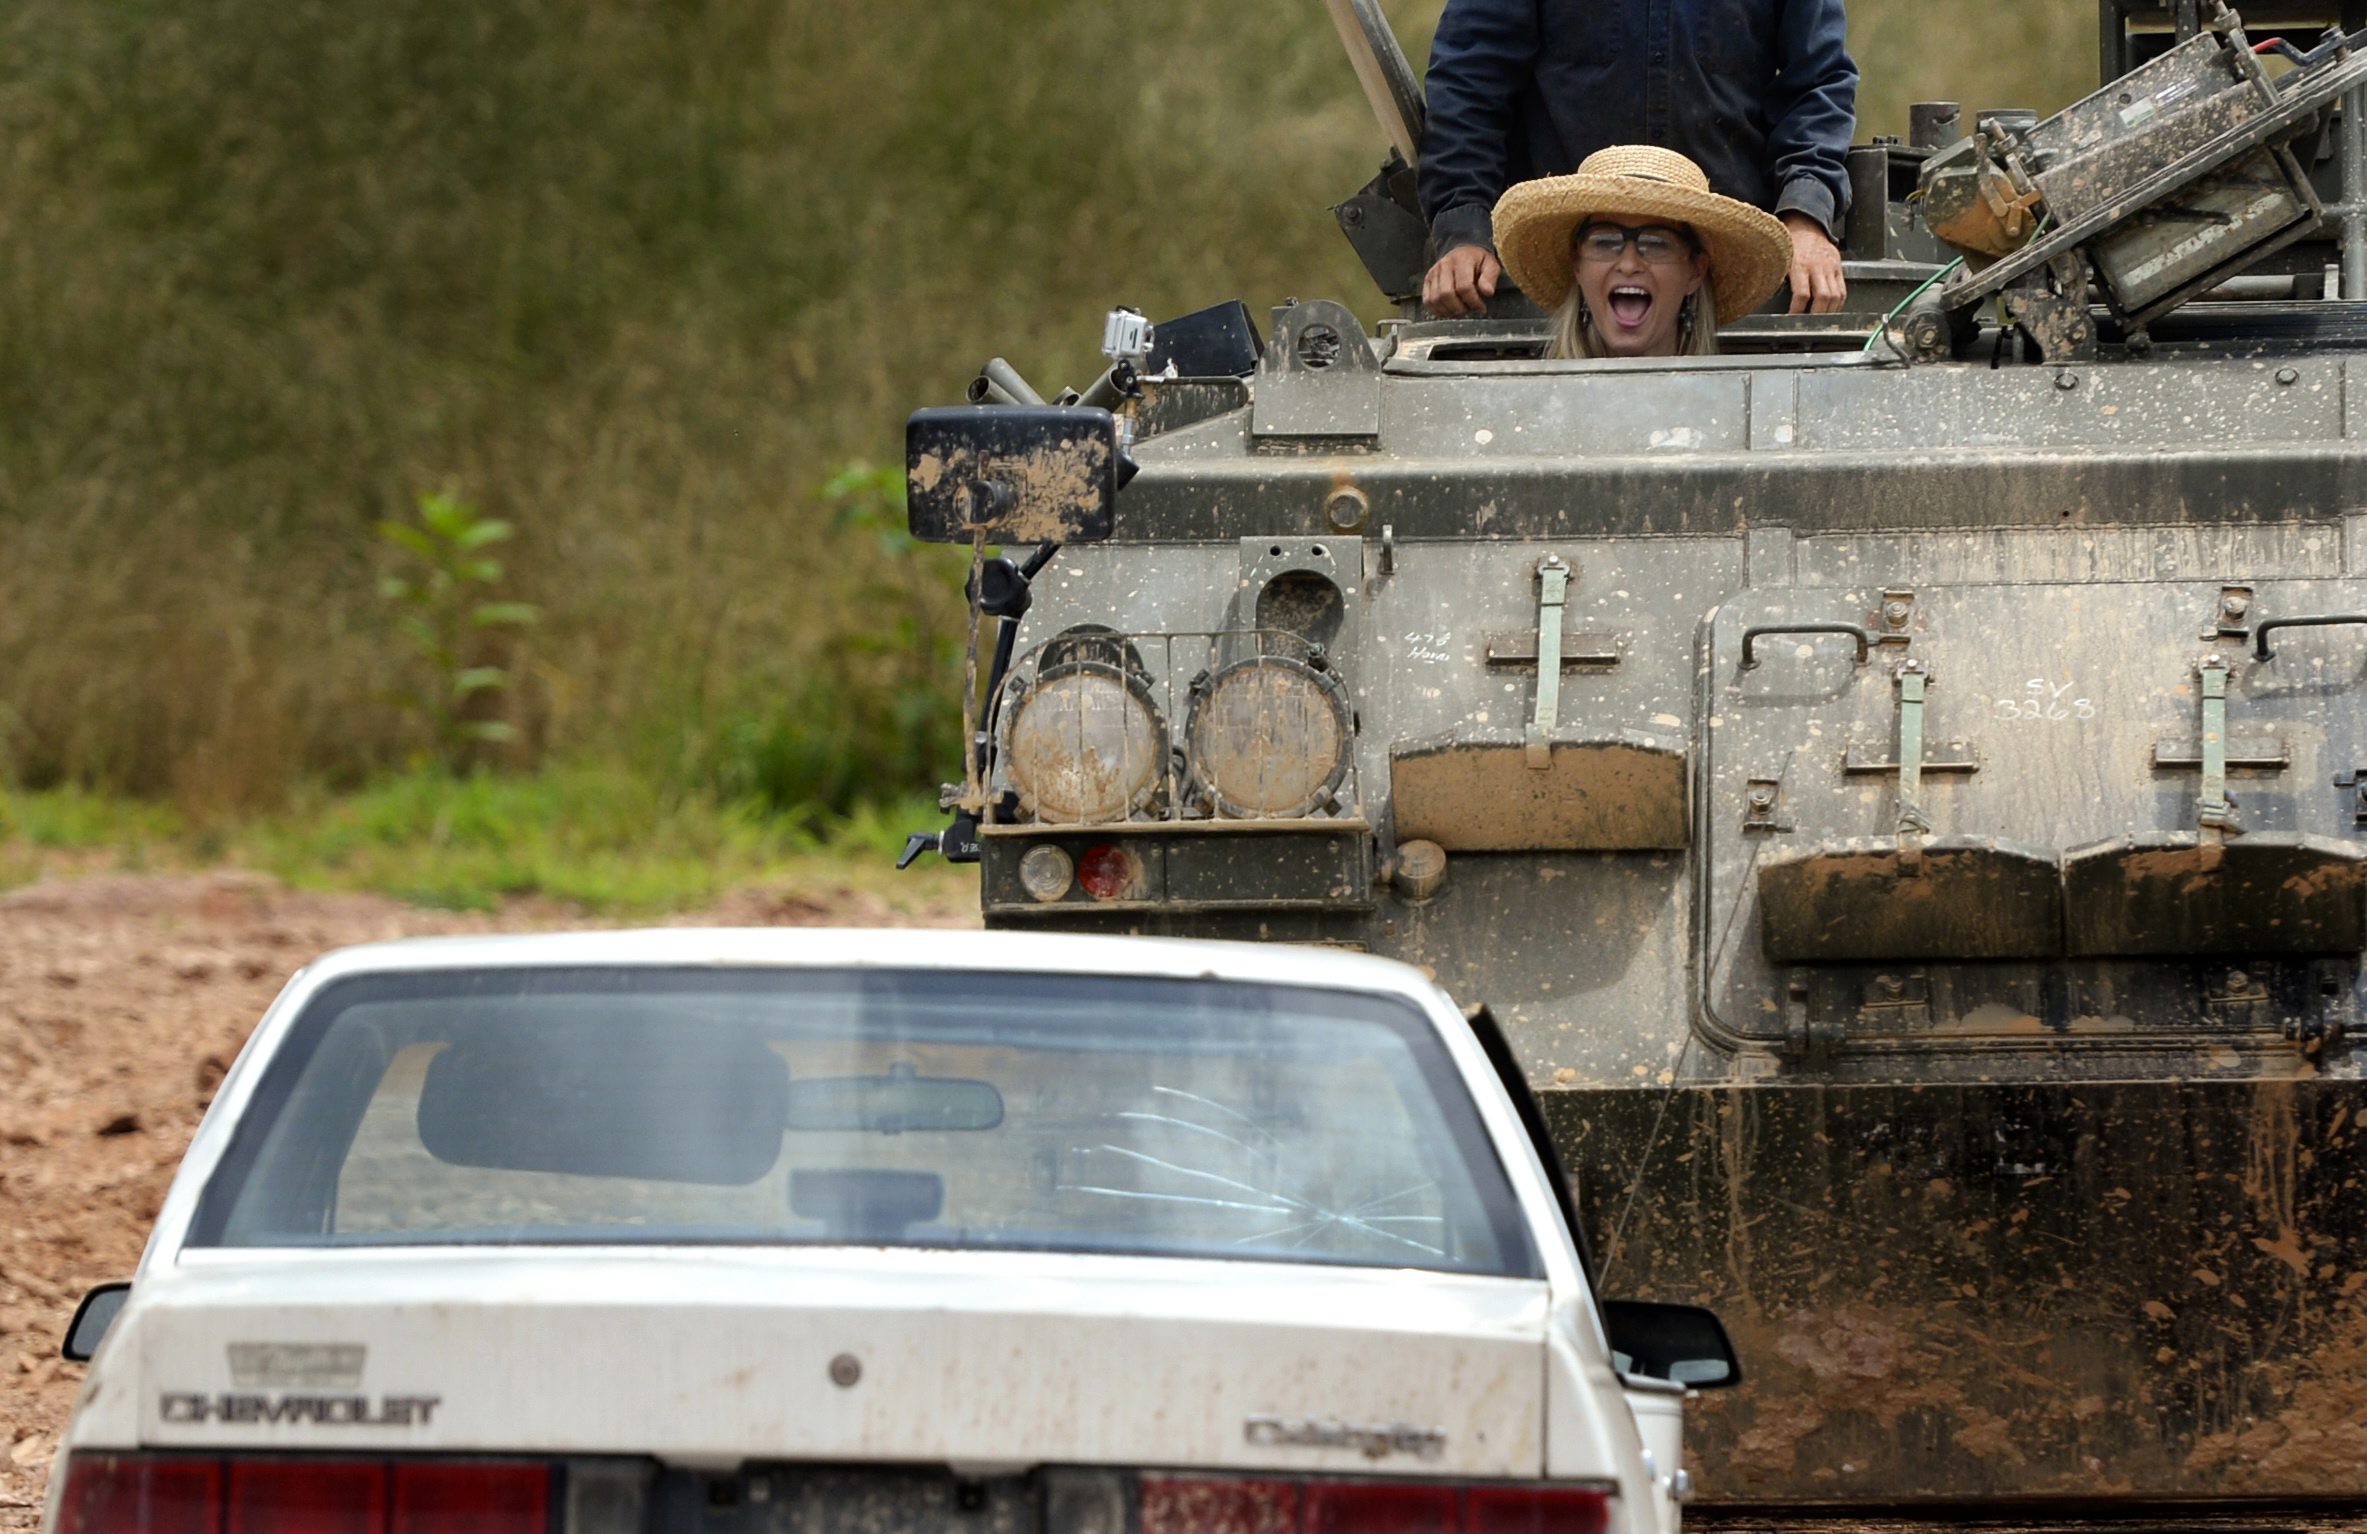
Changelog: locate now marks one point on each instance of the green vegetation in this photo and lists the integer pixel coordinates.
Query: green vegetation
(634, 279)
(603, 840)
(441, 612)
(600, 840)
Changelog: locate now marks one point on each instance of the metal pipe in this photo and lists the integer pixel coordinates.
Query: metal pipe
(999, 383)
(1103, 393)
(1865, 233)
(2351, 150)
(2253, 286)
(1936, 124)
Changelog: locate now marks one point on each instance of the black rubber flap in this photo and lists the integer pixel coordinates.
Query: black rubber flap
(2267, 892)
(1967, 898)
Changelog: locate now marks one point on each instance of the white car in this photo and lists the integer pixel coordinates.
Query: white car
(722, 1231)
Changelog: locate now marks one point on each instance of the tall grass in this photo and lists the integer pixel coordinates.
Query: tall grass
(637, 276)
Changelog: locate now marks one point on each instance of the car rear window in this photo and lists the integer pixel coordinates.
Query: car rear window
(1198, 1118)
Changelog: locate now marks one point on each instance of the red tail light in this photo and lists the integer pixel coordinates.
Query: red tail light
(291, 1496)
(132, 1494)
(1109, 872)
(1382, 1507)
(1190, 1504)
(471, 1499)
(1535, 1510)
(186, 1494)
(1179, 1503)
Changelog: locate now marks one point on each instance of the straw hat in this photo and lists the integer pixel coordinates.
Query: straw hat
(1750, 252)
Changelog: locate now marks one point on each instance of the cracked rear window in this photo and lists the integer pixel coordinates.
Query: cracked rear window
(1193, 1118)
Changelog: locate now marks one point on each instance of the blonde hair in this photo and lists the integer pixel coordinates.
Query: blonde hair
(1574, 335)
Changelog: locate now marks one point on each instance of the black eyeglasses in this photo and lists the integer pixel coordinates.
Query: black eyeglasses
(1656, 244)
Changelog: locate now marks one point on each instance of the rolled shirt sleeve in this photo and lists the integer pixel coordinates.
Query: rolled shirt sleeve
(1481, 61)
(1811, 112)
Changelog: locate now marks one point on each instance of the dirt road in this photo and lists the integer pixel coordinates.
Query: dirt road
(122, 1001)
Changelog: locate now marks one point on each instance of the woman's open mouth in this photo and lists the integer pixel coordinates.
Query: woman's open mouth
(1629, 305)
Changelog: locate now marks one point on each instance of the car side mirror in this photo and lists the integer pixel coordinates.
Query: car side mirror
(92, 1317)
(1682, 1343)
(1013, 474)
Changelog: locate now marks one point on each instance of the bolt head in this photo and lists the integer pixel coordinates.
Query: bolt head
(1894, 613)
(2237, 980)
(2235, 604)
(1762, 798)
(845, 1369)
(2288, 375)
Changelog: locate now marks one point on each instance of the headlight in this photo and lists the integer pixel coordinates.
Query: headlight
(1267, 738)
(1084, 745)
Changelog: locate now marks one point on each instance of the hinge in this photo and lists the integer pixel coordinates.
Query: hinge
(2237, 999)
(1896, 1001)
(1807, 1039)
(2356, 781)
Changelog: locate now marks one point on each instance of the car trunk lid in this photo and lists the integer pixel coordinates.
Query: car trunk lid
(719, 1356)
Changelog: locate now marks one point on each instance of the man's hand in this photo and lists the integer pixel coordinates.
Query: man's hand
(1817, 284)
(1465, 279)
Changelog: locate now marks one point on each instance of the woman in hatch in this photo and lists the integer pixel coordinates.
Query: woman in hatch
(1636, 256)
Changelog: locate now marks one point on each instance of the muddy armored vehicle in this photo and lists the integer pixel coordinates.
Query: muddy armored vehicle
(1900, 784)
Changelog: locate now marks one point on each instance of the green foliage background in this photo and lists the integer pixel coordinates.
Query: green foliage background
(642, 277)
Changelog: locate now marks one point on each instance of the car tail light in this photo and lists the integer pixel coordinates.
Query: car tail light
(134, 1494)
(1536, 1510)
(188, 1494)
(1382, 1507)
(290, 1496)
(471, 1499)
(1109, 872)
(1188, 1504)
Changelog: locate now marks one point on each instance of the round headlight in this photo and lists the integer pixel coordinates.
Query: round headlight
(1268, 738)
(1046, 873)
(1085, 746)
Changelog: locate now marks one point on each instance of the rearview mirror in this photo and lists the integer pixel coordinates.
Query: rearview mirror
(1013, 474)
(894, 1103)
(1683, 1343)
(92, 1317)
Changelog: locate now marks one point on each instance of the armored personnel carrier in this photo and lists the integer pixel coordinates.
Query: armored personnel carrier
(1900, 784)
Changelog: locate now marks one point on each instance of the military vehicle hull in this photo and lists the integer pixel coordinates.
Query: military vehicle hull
(1901, 785)
(2001, 1106)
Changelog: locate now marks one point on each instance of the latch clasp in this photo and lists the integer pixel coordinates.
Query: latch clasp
(1553, 592)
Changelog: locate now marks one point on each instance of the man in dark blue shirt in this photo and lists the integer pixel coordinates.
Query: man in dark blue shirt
(1761, 94)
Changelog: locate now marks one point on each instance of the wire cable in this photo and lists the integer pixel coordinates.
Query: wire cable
(1883, 329)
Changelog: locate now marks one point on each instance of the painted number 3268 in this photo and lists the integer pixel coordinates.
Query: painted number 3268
(2044, 702)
